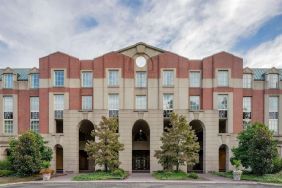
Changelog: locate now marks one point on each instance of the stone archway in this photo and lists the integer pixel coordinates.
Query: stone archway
(198, 127)
(223, 158)
(59, 158)
(140, 146)
(85, 129)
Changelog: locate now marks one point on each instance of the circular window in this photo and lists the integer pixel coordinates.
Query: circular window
(140, 61)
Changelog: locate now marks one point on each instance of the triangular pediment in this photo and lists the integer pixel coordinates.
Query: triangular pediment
(141, 48)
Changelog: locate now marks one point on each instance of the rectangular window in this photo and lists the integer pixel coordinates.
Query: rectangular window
(8, 81)
(222, 105)
(34, 114)
(195, 79)
(194, 103)
(86, 103)
(59, 78)
(168, 78)
(247, 80)
(223, 78)
(113, 105)
(247, 111)
(113, 79)
(141, 102)
(273, 81)
(8, 114)
(273, 113)
(59, 106)
(168, 101)
(34, 81)
(141, 79)
(87, 79)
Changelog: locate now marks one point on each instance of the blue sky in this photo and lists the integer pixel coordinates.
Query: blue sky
(251, 29)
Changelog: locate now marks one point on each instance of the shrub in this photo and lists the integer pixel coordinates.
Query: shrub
(118, 172)
(277, 165)
(192, 175)
(257, 149)
(4, 173)
(5, 165)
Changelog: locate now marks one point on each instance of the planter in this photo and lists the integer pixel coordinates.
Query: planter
(46, 177)
(237, 175)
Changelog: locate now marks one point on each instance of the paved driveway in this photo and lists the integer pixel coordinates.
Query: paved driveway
(135, 185)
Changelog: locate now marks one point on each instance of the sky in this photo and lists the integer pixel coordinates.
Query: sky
(30, 29)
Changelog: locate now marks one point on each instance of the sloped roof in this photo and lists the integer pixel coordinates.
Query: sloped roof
(21, 72)
(259, 73)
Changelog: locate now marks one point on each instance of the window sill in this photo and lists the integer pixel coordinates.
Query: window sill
(168, 86)
(57, 134)
(7, 88)
(196, 110)
(83, 87)
(113, 86)
(140, 110)
(141, 87)
(86, 110)
(58, 86)
(224, 134)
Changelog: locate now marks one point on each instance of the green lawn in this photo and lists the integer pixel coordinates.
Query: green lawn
(100, 175)
(267, 178)
(180, 175)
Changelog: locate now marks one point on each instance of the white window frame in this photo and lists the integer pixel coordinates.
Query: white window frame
(195, 79)
(194, 103)
(223, 80)
(167, 105)
(8, 106)
(141, 79)
(168, 78)
(57, 81)
(59, 102)
(86, 79)
(8, 80)
(247, 80)
(86, 102)
(34, 108)
(113, 101)
(141, 102)
(113, 78)
(273, 81)
(273, 108)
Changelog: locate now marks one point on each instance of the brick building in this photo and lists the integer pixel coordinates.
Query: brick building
(141, 85)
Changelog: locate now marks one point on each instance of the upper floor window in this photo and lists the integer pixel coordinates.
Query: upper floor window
(141, 102)
(87, 79)
(34, 80)
(8, 114)
(59, 101)
(273, 80)
(113, 105)
(34, 114)
(113, 79)
(59, 78)
(223, 78)
(222, 105)
(141, 79)
(168, 78)
(168, 101)
(247, 80)
(273, 113)
(86, 103)
(195, 79)
(195, 103)
(247, 107)
(8, 81)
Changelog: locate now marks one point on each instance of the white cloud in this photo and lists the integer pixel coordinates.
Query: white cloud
(195, 29)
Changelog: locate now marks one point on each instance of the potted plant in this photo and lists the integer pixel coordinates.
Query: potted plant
(46, 171)
(237, 172)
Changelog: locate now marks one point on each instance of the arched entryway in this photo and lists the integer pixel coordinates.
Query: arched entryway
(223, 158)
(198, 127)
(140, 146)
(85, 129)
(59, 158)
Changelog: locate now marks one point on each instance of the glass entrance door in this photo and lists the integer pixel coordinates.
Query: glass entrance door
(141, 160)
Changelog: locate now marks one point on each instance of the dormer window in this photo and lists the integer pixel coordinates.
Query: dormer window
(8, 81)
(34, 80)
(273, 81)
(247, 80)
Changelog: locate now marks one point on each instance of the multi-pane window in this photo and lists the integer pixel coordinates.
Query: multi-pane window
(87, 79)
(195, 79)
(113, 105)
(141, 79)
(168, 78)
(223, 78)
(86, 103)
(167, 104)
(194, 103)
(222, 105)
(141, 102)
(273, 113)
(113, 79)
(8, 81)
(247, 110)
(59, 78)
(59, 106)
(8, 114)
(247, 80)
(34, 114)
(273, 80)
(34, 80)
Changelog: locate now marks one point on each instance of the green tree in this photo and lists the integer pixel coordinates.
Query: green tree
(257, 149)
(179, 144)
(28, 152)
(104, 150)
